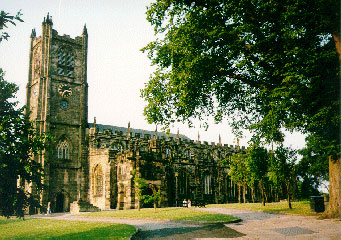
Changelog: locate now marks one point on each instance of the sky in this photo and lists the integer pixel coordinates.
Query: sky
(117, 69)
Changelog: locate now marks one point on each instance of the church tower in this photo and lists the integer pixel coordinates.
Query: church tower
(57, 98)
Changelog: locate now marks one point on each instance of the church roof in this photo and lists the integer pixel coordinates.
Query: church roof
(142, 132)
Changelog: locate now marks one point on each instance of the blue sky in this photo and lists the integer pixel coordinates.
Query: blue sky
(117, 69)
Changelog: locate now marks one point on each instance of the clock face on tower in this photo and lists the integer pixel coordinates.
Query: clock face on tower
(64, 90)
(64, 104)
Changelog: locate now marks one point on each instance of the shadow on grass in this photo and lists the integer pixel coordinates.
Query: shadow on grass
(97, 233)
(207, 231)
(4, 220)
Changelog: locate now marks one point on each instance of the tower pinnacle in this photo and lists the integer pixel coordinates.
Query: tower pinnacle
(85, 30)
(48, 19)
(33, 34)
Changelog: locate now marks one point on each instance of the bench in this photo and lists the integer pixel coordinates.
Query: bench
(199, 203)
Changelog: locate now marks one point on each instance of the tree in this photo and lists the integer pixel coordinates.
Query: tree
(282, 170)
(140, 185)
(312, 169)
(265, 65)
(6, 18)
(257, 161)
(19, 143)
(239, 173)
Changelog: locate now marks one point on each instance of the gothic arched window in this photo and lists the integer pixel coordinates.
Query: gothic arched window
(168, 152)
(63, 150)
(98, 181)
(208, 184)
(66, 62)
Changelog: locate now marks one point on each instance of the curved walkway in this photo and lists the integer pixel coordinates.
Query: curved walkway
(260, 225)
(255, 225)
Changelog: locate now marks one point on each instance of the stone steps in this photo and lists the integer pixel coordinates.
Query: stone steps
(82, 206)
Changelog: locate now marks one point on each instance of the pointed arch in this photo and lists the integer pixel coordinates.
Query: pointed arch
(64, 149)
(208, 183)
(97, 180)
(66, 61)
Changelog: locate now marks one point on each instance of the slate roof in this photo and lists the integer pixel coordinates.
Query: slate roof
(142, 132)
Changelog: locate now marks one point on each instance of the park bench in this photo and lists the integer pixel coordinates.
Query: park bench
(198, 203)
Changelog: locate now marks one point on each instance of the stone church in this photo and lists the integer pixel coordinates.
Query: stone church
(89, 166)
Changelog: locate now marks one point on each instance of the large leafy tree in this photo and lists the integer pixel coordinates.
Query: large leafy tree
(258, 163)
(18, 144)
(266, 65)
(239, 173)
(282, 170)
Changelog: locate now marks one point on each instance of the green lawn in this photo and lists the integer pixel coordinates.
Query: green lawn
(298, 208)
(31, 228)
(165, 213)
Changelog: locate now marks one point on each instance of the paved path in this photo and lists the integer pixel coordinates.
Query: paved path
(260, 225)
(255, 225)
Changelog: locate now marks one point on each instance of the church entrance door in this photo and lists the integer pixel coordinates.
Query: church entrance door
(60, 202)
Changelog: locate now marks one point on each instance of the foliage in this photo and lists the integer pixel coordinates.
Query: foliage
(165, 213)
(258, 161)
(154, 198)
(307, 187)
(140, 185)
(314, 160)
(282, 170)
(238, 169)
(57, 229)
(6, 18)
(266, 64)
(312, 169)
(18, 144)
(239, 172)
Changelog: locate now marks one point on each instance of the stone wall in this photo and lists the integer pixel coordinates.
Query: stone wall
(100, 159)
(180, 169)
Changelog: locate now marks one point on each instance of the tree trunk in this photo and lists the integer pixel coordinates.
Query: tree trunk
(336, 37)
(334, 206)
(288, 194)
(244, 193)
(139, 205)
(253, 194)
(155, 207)
(263, 195)
(231, 186)
(239, 200)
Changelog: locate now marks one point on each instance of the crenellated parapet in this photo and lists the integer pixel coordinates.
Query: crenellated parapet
(163, 148)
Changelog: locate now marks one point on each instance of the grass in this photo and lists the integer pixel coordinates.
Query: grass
(298, 208)
(186, 214)
(59, 229)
